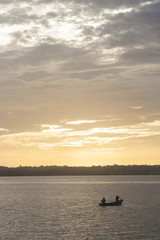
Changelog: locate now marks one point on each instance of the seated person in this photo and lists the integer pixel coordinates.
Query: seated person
(103, 200)
(117, 198)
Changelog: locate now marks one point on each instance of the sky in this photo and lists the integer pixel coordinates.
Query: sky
(79, 82)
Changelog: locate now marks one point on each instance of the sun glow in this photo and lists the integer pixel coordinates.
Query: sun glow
(5, 38)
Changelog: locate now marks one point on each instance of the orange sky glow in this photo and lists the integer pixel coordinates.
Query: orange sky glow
(79, 83)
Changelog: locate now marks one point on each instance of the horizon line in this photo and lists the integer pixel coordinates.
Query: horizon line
(112, 165)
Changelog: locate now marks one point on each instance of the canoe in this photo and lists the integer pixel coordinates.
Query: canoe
(116, 203)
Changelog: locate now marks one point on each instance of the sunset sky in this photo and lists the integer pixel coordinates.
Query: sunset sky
(79, 82)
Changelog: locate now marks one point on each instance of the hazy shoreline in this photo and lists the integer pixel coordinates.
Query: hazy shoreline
(93, 170)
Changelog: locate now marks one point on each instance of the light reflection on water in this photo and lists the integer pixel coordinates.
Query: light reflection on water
(67, 208)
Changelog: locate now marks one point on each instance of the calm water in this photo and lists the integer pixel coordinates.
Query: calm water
(67, 208)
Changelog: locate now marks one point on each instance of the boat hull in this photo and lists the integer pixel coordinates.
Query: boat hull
(117, 203)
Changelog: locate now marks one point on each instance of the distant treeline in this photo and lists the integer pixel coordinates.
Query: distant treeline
(94, 170)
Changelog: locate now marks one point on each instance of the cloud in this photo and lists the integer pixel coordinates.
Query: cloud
(155, 123)
(33, 76)
(108, 149)
(142, 55)
(109, 4)
(136, 33)
(100, 39)
(55, 136)
(136, 107)
(83, 58)
(81, 122)
(3, 130)
(54, 129)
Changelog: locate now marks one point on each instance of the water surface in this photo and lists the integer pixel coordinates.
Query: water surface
(66, 207)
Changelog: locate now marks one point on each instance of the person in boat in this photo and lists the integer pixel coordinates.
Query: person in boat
(117, 198)
(103, 201)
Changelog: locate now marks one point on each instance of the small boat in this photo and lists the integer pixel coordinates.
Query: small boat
(116, 203)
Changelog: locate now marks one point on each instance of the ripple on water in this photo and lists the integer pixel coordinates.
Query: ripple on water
(39, 208)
